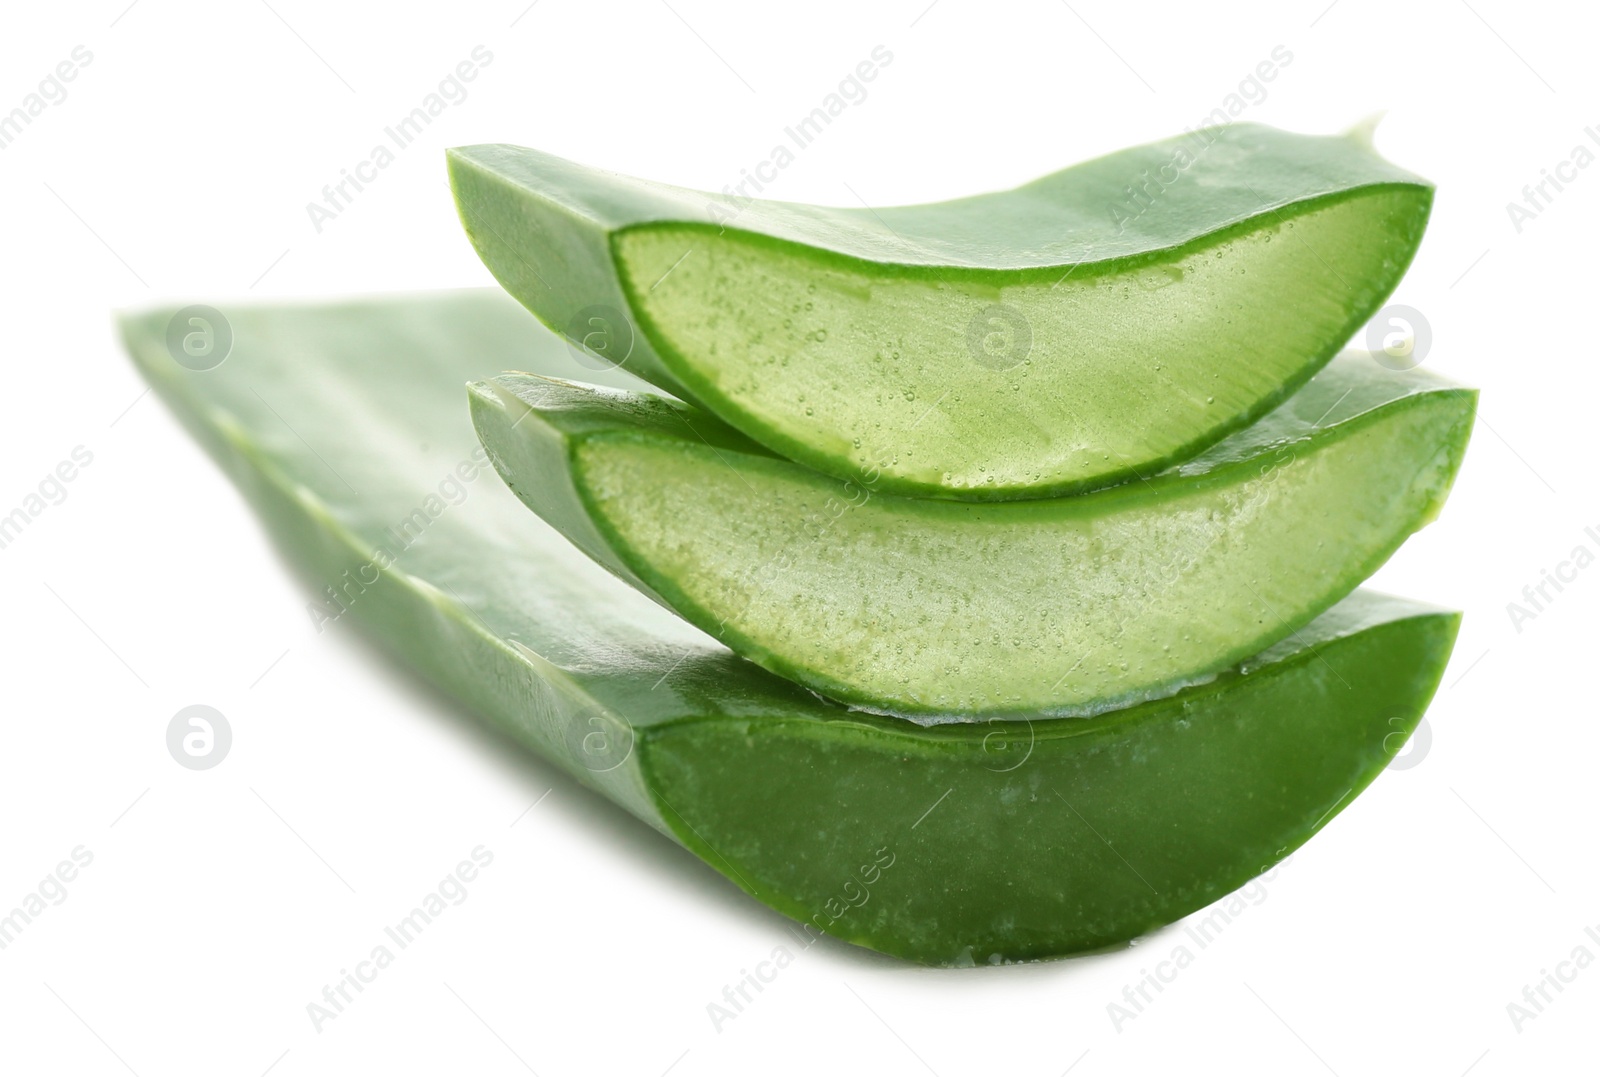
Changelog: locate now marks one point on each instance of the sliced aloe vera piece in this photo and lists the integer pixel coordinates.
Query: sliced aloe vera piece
(342, 424)
(931, 607)
(1102, 322)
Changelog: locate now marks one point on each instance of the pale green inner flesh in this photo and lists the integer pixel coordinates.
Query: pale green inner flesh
(1063, 606)
(854, 369)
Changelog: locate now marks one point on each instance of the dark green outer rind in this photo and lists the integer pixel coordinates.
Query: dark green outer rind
(534, 427)
(1248, 171)
(500, 611)
(1092, 831)
(519, 206)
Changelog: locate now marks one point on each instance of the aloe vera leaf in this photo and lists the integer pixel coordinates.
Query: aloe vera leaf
(340, 424)
(1087, 327)
(928, 607)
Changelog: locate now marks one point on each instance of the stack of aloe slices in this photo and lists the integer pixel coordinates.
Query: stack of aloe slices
(1060, 636)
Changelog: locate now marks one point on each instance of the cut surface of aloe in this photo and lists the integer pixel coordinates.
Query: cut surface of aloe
(956, 844)
(927, 607)
(1095, 324)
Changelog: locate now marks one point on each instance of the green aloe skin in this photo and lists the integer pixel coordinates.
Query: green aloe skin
(956, 844)
(1094, 325)
(933, 608)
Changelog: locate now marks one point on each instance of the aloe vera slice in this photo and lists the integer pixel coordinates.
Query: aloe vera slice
(946, 845)
(1099, 323)
(931, 607)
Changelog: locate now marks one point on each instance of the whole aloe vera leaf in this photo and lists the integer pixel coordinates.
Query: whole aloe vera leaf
(1096, 324)
(971, 842)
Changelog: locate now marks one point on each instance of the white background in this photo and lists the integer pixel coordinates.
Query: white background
(220, 902)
